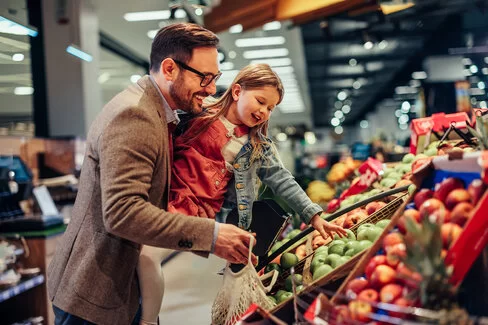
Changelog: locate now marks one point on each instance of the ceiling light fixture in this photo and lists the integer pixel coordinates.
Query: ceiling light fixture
(269, 53)
(346, 109)
(77, 52)
(364, 124)
(339, 114)
(260, 41)
(274, 25)
(335, 121)
(17, 57)
(226, 66)
(484, 70)
(356, 85)
(281, 136)
(236, 29)
(152, 33)
(180, 13)
(473, 68)
(310, 137)
(368, 45)
(22, 91)
(481, 85)
(10, 25)
(134, 78)
(342, 95)
(338, 129)
(148, 15)
(353, 62)
(383, 44)
(198, 11)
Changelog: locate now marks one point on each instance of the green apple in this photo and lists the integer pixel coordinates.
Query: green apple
(335, 242)
(350, 252)
(365, 225)
(353, 244)
(345, 259)
(322, 249)
(279, 293)
(272, 266)
(316, 262)
(431, 152)
(350, 236)
(288, 282)
(284, 296)
(374, 192)
(322, 271)
(383, 223)
(364, 244)
(370, 234)
(389, 182)
(408, 158)
(332, 259)
(299, 288)
(337, 249)
(293, 233)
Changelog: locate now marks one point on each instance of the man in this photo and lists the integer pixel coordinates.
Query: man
(124, 187)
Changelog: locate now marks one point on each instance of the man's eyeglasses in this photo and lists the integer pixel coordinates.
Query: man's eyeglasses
(207, 78)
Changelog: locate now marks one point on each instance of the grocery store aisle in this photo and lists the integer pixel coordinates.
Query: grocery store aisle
(191, 284)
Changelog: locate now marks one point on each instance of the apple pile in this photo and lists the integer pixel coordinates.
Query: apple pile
(386, 280)
(449, 204)
(340, 250)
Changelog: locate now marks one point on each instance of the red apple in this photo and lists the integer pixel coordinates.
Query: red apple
(421, 196)
(392, 239)
(457, 196)
(461, 213)
(360, 310)
(401, 302)
(429, 206)
(448, 185)
(356, 285)
(354, 217)
(372, 207)
(333, 205)
(368, 295)
(450, 232)
(373, 263)
(390, 292)
(440, 216)
(382, 275)
(395, 253)
(476, 190)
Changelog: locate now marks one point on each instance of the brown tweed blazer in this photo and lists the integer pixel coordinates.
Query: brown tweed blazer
(122, 192)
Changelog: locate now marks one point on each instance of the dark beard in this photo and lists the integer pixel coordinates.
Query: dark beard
(177, 93)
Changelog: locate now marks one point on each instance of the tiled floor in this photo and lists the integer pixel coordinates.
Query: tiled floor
(191, 284)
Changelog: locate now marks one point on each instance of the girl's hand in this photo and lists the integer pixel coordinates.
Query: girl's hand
(325, 228)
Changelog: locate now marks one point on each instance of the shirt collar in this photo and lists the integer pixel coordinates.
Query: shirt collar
(171, 115)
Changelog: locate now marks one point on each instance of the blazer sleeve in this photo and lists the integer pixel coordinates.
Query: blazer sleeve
(129, 148)
(273, 174)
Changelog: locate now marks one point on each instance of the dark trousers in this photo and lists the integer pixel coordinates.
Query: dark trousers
(64, 318)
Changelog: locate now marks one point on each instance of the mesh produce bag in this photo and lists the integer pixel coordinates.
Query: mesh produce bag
(238, 292)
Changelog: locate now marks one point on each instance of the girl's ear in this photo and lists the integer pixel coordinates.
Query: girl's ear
(236, 91)
(168, 69)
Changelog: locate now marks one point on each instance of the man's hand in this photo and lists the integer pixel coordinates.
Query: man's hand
(325, 228)
(206, 211)
(233, 244)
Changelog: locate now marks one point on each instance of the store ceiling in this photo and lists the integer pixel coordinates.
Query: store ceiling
(339, 63)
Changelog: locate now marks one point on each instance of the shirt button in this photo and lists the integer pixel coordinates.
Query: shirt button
(237, 166)
(223, 171)
(239, 186)
(242, 207)
(217, 183)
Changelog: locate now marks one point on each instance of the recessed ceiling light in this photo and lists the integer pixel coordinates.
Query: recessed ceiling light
(473, 68)
(339, 114)
(356, 85)
(23, 91)
(269, 53)
(232, 54)
(353, 62)
(281, 136)
(338, 129)
(18, 57)
(481, 85)
(405, 107)
(346, 109)
(134, 78)
(364, 124)
(419, 75)
(383, 44)
(483, 104)
(226, 66)
(180, 13)
(260, 41)
(236, 29)
(274, 25)
(335, 121)
(368, 45)
(342, 95)
(198, 11)
(147, 15)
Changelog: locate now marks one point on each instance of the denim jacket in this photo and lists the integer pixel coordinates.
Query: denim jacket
(242, 189)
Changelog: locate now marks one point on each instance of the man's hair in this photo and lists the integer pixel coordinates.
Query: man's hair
(177, 41)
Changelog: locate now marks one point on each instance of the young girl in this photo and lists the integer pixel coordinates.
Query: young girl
(218, 162)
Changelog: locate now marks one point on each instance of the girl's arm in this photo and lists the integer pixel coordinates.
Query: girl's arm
(273, 174)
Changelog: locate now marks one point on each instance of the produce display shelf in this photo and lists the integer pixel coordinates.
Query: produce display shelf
(21, 287)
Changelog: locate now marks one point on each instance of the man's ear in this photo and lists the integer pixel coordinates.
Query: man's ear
(168, 69)
(236, 91)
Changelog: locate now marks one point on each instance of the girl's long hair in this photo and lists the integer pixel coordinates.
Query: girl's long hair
(253, 76)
